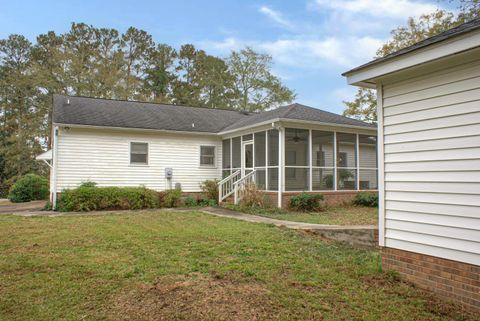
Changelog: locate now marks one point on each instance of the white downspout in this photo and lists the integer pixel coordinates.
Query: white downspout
(53, 190)
(280, 165)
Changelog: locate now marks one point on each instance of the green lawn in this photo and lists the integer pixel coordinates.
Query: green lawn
(350, 215)
(187, 265)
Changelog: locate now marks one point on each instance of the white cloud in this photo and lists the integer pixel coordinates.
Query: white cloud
(276, 16)
(379, 8)
(308, 53)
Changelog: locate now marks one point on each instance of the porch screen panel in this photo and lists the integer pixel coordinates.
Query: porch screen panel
(260, 178)
(297, 162)
(226, 161)
(273, 147)
(322, 160)
(272, 160)
(322, 179)
(260, 149)
(236, 154)
(346, 161)
(272, 176)
(367, 150)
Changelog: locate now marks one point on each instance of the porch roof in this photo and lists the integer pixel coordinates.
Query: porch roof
(297, 112)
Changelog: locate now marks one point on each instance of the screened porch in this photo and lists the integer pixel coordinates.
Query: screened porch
(314, 160)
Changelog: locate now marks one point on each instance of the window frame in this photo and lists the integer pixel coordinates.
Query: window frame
(214, 165)
(147, 163)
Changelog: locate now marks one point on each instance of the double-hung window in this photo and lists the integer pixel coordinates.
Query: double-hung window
(138, 153)
(207, 156)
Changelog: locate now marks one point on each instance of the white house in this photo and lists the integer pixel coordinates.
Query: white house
(429, 160)
(288, 150)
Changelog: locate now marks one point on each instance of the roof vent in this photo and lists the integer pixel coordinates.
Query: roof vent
(68, 101)
(193, 125)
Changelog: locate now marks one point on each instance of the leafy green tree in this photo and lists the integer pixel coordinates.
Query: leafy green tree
(215, 81)
(100, 62)
(256, 88)
(364, 105)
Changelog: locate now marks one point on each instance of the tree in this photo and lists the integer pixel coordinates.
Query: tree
(108, 62)
(364, 105)
(160, 74)
(137, 46)
(255, 86)
(99, 62)
(21, 119)
(186, 90)
(215, 81)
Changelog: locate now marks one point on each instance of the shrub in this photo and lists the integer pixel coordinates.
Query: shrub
(207, 202)
(369, 199)
(90, 198)
(172, 197)
(5, 188)
(252, 197)
(28, 188)
(210, 189)
(190, 201)
(306, 202)
(88, 184)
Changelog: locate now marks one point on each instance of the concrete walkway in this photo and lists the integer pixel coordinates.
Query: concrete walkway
(6, 207)
(357, 235)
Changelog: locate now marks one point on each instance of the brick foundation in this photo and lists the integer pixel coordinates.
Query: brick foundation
(332, 198)
(450, 280)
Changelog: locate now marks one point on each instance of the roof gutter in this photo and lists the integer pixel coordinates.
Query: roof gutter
(309, 122)
(136, 129)
(366, 74)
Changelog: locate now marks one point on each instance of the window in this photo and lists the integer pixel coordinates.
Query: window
(207, 155)
(138, 153)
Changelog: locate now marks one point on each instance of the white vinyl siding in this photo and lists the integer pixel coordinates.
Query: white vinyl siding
(431, 126)
(103, 156)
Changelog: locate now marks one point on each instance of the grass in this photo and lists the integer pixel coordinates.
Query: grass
(349, 215)
(188, 265)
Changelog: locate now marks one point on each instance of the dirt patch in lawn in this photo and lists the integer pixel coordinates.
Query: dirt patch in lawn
(392, 284)
(194, 297)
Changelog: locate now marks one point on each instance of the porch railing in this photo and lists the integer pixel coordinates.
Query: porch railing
(241, 184)
(226, 185)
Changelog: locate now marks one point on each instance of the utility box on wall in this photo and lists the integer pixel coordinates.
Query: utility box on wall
(168, 173)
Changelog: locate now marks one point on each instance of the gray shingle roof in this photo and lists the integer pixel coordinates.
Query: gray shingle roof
(298, 112)
(459, 30)
(129, 114)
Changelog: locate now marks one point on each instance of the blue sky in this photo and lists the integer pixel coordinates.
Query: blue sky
(312, 41)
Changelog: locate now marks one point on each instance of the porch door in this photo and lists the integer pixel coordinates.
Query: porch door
(247, 158)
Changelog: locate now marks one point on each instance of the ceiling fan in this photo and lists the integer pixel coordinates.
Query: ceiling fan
(296, 139)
